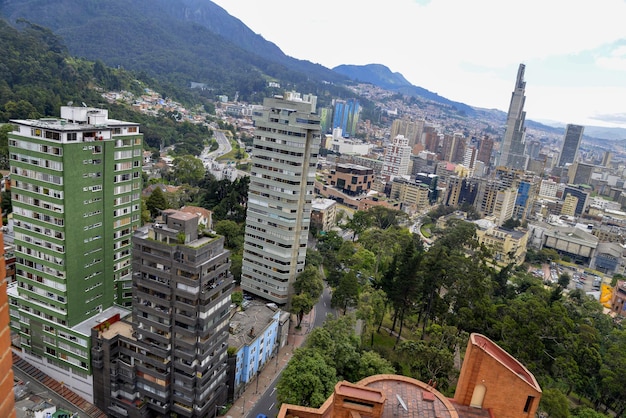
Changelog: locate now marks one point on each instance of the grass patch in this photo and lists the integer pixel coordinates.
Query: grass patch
(425, 230)
(382, 339)
(232, 155)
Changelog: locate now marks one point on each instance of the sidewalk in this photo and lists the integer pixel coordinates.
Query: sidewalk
(244, 404)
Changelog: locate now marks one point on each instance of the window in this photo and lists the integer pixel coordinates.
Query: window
(529, 403)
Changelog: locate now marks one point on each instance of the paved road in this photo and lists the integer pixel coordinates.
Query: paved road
(267, 404)
(224, 147)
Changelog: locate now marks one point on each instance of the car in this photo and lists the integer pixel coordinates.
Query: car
(261, 416)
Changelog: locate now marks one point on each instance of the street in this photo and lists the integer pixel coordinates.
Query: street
(267, 404)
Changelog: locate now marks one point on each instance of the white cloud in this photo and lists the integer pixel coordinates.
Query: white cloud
(464, 50)
(616, 60)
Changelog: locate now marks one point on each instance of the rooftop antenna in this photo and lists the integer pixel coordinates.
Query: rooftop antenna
(401, 403)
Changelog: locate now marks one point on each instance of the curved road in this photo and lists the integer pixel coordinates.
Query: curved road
(267, 404)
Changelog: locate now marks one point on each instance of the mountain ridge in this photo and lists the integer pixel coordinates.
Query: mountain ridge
(197, 40)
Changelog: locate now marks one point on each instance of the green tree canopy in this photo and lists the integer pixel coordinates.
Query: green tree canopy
(307, 380)
(188, 170)
(156, 202)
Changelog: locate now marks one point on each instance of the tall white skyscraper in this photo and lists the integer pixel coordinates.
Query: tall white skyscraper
(512, 148)
(286, 145)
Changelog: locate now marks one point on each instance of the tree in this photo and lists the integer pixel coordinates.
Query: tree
(383, 218)
(188, 170)
(156, 202)
(307, 380)
(372, 363)
(236, 297)
(236, 262)
(613, 379)
(586, 412)
(232, 232)
(310, 283)
(337, 341)
(554, 403)
(511, 224)
(564, 280)
(301, 304)
(346, 294)
(358, 223)
(371, 308)
(429, 361)
(6, 205)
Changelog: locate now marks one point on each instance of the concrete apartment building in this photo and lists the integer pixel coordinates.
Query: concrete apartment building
(351, 179)
(397, 158)
(413, 195)
(285, 150)
(492, 384)
(171, 357)
(324, 213)
(411, 130)
(76, 183)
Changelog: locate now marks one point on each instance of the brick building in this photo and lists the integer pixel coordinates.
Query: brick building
(492, 384)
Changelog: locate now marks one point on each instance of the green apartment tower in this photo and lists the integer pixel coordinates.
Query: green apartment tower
(75, 188)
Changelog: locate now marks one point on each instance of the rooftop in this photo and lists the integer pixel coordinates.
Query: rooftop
(246, 325)
(85, 327)
(420, 399)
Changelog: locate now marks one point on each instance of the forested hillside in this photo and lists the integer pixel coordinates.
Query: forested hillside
(174, 42)
(37, 76)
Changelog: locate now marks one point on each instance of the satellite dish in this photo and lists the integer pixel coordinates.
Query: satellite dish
(401, 402)
(84, 105)
(70, 103)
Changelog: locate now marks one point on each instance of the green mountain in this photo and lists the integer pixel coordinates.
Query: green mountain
(177, 42)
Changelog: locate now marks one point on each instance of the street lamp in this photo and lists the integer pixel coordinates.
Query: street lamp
(218, 407)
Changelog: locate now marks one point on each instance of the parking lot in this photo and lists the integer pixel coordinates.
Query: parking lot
(579, 279)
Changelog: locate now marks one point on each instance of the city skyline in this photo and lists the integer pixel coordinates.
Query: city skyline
(575, 70)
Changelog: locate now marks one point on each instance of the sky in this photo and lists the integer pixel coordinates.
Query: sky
(467, 50)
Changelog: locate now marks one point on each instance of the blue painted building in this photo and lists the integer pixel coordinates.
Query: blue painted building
(255, 333)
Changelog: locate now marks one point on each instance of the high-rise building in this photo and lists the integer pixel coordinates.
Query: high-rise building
(411, 130)
(346, 116)
(170, 358)
(581, 193)
(397, 158)
(579, 173)
(569, 205)
(512, 148)
(461, 191)
(571, 142)
(484, 150)
(76, 184)
(7, 401)
(286, 145)
(504, 206)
